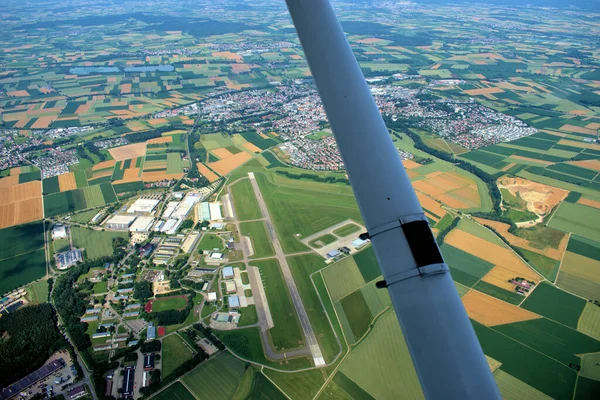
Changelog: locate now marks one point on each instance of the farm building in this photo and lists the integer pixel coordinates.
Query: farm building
(228, 273)
(68, 258)
(142, 224)
(233, 302)
(120, 222)
(230, 287)
(59, 232)
(204, 212)
(359, 243)
(143, 206)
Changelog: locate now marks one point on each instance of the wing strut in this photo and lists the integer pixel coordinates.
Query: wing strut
(445, 351)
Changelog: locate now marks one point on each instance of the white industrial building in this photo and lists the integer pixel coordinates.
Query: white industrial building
(186, 205)
(120, 222)
(59, 232)
(142, 224)
(143, 206)
(210, 211)
(171, 206)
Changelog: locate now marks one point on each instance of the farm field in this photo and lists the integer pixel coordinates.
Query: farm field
(301, 385)
(257, 232)
(96, 243)
(490, 311)
(578, 219)
(555, 304)
(224, 369)
(342, 278)
(20, 203)
(346, 230)
(513, 389)
(287, 333)
(589, 321)
(174, 353)
(453, 188)
(175, 392)
(580, 275)
(79, 199)
(22, 257)
(244, 201)
(381, 364)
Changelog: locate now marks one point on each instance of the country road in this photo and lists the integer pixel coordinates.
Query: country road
(309, 334)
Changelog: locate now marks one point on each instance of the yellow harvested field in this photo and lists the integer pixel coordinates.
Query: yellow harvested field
(410, 164)
(163, 139)
(15, 171)
(20, 192)
(157, 121)
(228, 55)
(21, 212)
(129, 175)
(175, 132)
(492, 253)
(9, 181)
(221, 152)
(431, 205)
(590, 203)
(589, 164)
(514, 240)
(128, 151)
(540, 198)
(451, 188)
(159, 176)
(252, 147)
(43, 122)
(207, 173)
(104, 164)
(491, 311)
(228, 164)
(67, 182)
(581, 266)
(452, 202)
(533, 160)
(582, 145)
(423, 186)
(484, 91)
(264, 136)
(577, 129)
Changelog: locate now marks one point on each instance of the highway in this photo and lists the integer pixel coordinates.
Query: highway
(309, 334)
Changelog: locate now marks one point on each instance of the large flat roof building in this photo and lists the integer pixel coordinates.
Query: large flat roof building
(233, 302)
(120, 222)
(68, 258)
(142, 224)
(228, 273)
(215, 211)
(143, 206)
(59, 232)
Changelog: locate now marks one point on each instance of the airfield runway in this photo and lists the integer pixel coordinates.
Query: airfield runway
(309, 334)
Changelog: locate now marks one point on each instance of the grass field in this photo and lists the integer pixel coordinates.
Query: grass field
(348, 389)
(61, 245)
(367, 264)
(465, 268)
(590, 366)
(357, 313)
(381, 363)
(377, 299)
(587, 388)
(22, 269)
(302, 267)
(286, 334)
(249, 315)
(217, 378)
(589, 321)
(175, 392)
(346, 230)
(101, 287)
(257, 232)
(79, 199)
(513, 389)
(210, 241)
(84, 217)
(342, 278)
(578, 219)
(555, 304)
(580, 275)
(21, 239)
(174, 353)
(163, 304)
(96, 243)
(39, 291)
(299, 386)
(244, 201)
(264, 389)
(323, 240)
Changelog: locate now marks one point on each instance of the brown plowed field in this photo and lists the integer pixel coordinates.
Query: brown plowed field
(431, 205)
(589, 164)
(492, 253)
(491, 311)
(225, 166)
(67, 182)
(128, 151)
(410, 164)
(207, 173)
(517, 241)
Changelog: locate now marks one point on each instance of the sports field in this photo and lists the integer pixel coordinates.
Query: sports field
(174, 353)
(96, 243)
(257, 232)
(381, 364)
(217, 378)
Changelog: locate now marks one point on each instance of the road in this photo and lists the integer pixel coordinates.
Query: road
(309, 334)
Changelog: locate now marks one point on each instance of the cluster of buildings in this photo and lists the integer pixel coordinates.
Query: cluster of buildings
(55, 161)
(321, 154)
(12, 301)
(109, 143)
(522, 286)
(57, 133)
(190, 109)
(12, 151)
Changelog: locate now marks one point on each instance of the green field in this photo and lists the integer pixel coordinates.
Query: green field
(555, 304)
(21, 239)
(302, 267)
(346, 230)
(210, 241)
(61, 245)
(287, 333)
(39, 291)
(513, 389)
(589, 321)
(174, 163)
(258, 141)
(499, 293)
(346, 388)
(342, 278)
(590, 366)
(322, 241)
(357, 313)
(175, 392)
(174, 353)
(85, 216)
(377, 299)
(244, 201)
(173, 303)
(79, 199)
(381, 363)
(584, 247)
(50, 185)
(577, 218)
(366, 261)
(249, 315)
(298, 386)
(546, 266)
(101, 287)
(96, 243)
(587, 388)
(217, 378)
(22, 269)
(466, 269)
(263, 389)
(303, 211)
(257, 232)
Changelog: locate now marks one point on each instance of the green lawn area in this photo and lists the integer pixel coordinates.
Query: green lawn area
(96, 243)
(249, 316)
(286, 334)
(244, 201)
(210, 241)
(101, 287)
(346, 230)
(300, 385)
(163, 304)
(174, 353)
(217, 378)
(257, 231)
(61, 245)
(39, 291)
(322, 241)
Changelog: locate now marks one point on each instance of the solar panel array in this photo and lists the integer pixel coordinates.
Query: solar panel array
(31, 379)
